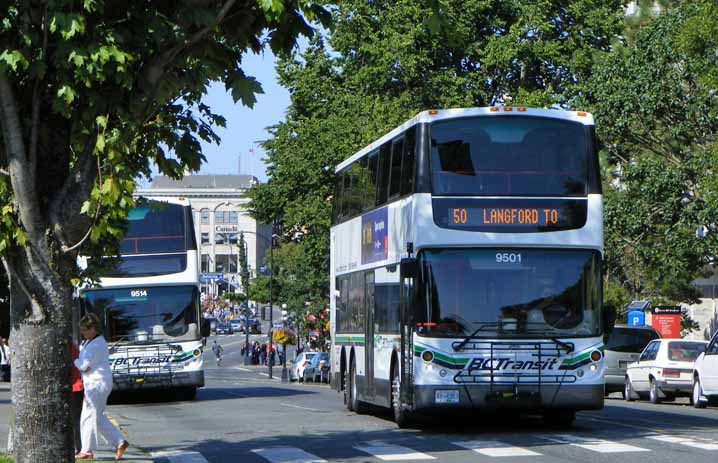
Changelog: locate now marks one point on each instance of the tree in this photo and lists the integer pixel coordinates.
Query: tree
(387, 60)
(91, 93)
(242, 263)
(657, 117)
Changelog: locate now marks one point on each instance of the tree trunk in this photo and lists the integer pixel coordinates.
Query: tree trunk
(41, 375)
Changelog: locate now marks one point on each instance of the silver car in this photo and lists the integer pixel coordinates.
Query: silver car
(624, 346)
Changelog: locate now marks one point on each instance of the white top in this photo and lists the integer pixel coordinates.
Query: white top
(4, 360)
(94, 362)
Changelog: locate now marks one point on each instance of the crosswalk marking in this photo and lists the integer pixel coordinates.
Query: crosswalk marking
(180, 456)
(496, 449)
(687, 441)
(595, 445)
(390, 452)
(287, 455)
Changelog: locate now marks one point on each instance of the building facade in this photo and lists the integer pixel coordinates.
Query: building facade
(219, 206)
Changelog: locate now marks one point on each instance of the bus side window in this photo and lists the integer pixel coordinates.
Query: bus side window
(407, 167)
(382, 181)
(346, 193)
(338, 188)
(370, 197)
(397, 153)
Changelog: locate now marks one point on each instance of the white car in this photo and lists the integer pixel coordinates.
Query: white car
(296, 369)
(705, 375)
(663, 371)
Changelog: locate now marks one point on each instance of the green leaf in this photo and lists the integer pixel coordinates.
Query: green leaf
(67, 94)
(13, 58)
(244, 88)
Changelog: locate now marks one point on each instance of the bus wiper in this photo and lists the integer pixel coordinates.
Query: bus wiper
(482, 326)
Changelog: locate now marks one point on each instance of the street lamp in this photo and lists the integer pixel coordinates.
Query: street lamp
(270, 241)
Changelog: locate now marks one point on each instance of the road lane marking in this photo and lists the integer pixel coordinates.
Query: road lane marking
(687, 441)
(243, 369)
(390, 452)
(496, 449)
(592, 444)
(287, 455)
(179, 456)
(301, 408)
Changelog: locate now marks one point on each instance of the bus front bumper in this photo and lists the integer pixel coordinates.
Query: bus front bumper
(499, 396)
(157, 380)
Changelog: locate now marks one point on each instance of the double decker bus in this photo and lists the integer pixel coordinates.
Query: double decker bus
(149, 301)
(466, 266)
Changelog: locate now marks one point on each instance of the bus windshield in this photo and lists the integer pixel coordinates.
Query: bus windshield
(509, 156)
(510, 293)
(146, 313)
(155, 227)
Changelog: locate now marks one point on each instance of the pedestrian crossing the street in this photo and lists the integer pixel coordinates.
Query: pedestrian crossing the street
(542, 445)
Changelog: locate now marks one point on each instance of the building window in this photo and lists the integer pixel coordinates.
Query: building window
(219, 217)
(233, 217)
(233, 238)
(205, 263)
(205, 238)
(218, 238)
(204, 214)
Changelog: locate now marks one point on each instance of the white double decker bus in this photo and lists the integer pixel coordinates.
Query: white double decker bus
(466, 266)
(149, 302)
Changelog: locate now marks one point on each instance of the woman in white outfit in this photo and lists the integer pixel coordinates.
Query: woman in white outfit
(94, 365)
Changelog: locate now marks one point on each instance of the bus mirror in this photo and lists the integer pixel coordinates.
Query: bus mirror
(409, 268)
(609, 318)
(204, 328)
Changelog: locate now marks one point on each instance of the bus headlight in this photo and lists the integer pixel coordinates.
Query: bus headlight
(196, 352)
(596, 356)
(427, 356)
(593, 367)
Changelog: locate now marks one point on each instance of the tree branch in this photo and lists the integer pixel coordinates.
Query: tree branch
(20, 169)
(155, 71)
(38, 315)
(65, 207)
(36, 99)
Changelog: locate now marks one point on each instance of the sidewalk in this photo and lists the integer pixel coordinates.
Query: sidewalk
(132, 455)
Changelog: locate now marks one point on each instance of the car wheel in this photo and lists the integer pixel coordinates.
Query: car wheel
(653, 393)
(628, 394)
(698, 401)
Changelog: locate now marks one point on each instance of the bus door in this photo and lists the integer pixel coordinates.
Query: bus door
(369, 391)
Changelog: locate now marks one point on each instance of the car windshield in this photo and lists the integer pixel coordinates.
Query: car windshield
(630, 339)
(145, 313)
(509, 293)
(683, 351)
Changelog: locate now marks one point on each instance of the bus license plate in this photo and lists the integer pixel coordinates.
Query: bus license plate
(446, 397)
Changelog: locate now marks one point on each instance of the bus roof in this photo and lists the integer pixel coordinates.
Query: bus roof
(494, 111)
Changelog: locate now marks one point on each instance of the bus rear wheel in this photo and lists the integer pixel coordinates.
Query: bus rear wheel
(402, 417)
(357, 405)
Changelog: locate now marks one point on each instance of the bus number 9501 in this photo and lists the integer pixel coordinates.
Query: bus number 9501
(509, 257)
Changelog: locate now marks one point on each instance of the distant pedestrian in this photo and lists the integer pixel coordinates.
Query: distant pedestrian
(217, 349)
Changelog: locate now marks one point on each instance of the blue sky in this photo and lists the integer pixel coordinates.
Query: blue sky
(245, 126)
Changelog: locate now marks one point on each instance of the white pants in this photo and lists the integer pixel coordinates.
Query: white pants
(93, 421)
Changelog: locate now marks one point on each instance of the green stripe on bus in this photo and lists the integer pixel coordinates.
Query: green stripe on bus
(460, 361)
(356, 338)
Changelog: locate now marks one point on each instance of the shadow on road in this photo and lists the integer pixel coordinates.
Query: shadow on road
(203, 395)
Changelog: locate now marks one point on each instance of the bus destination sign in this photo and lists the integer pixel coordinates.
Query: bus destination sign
(510, 215)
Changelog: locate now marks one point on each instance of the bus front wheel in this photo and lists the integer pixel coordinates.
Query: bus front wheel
(402, 416)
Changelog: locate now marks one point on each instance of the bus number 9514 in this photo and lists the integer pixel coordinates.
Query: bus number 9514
(508, 257)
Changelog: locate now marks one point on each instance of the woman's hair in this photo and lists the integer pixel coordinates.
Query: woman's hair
(90, 320)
